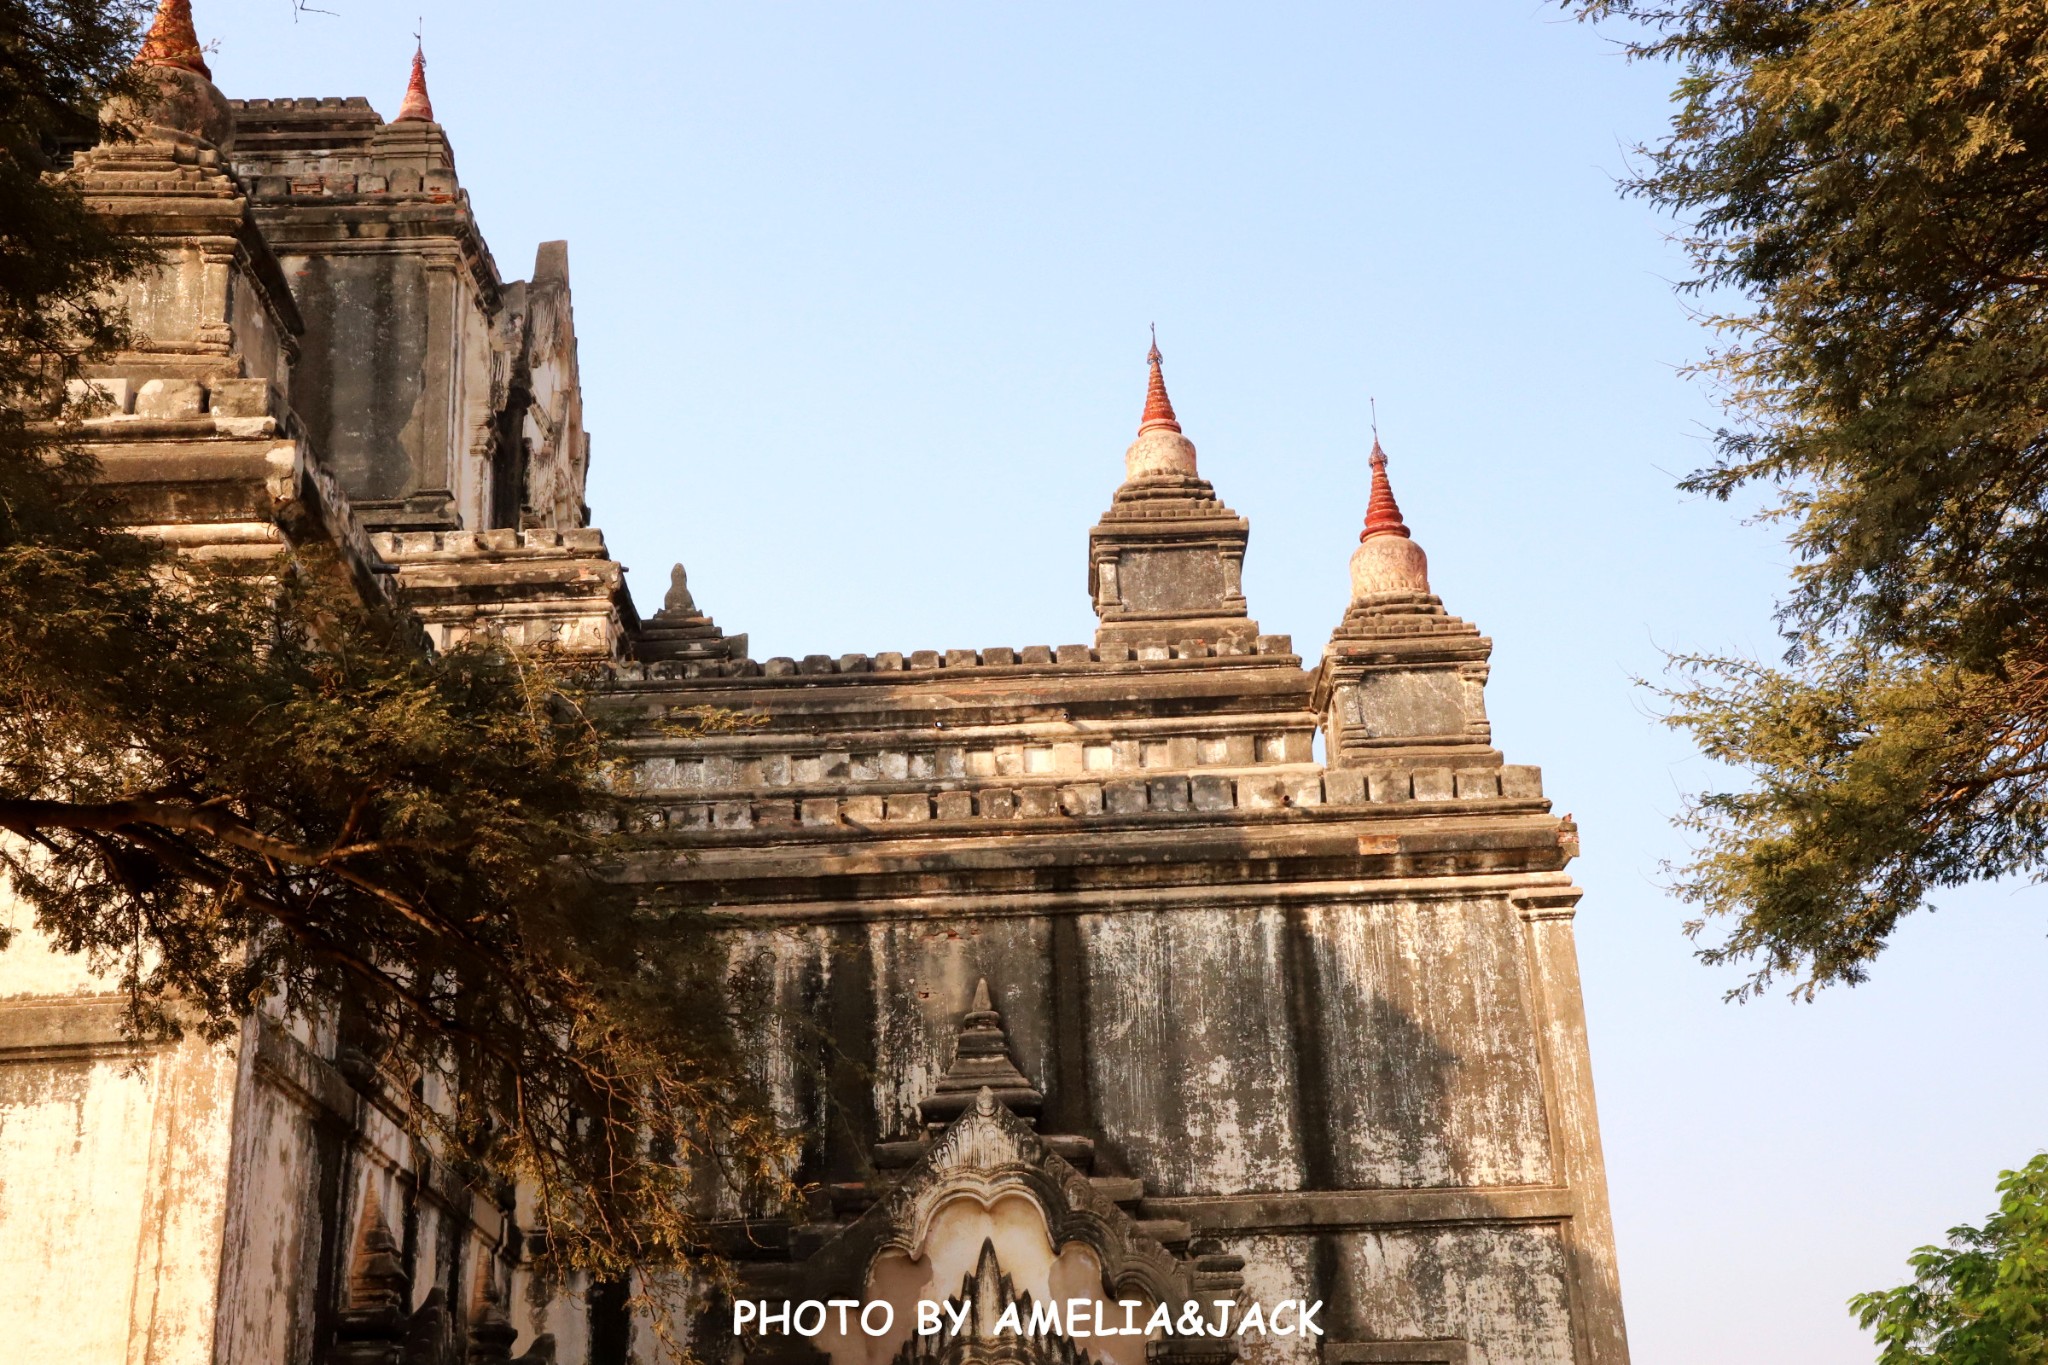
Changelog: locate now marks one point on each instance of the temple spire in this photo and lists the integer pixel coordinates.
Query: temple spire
(417, 108)
(172, 40)
(1158, 407)
(1165, 562)
(1162, 450)
(1382, 513)
(1387, 563)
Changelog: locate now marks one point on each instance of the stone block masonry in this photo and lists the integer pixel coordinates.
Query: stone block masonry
(1313, 1017)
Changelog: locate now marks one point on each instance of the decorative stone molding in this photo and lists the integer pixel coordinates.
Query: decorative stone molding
(984, 1293)
(985, 1155)
(556, 589)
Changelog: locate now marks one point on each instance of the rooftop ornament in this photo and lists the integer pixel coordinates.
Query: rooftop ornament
(1387, 561)
(417, 108)
(172, 40)
(1160, 451)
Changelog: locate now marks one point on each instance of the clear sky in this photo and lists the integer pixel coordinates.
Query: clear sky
(862, 292)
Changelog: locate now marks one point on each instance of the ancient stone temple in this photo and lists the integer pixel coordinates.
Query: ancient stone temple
(1094, 986)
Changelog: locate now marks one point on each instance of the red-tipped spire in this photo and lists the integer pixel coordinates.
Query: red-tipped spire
(172, 40)
(417, 107)
(1382, 514)
(1158, 407)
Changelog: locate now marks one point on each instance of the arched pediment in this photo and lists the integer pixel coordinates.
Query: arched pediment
(988, 1155)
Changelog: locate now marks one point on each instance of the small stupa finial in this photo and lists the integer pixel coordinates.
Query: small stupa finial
(678, 600)
(1382, 513)
(1388, 564)
(417, 108)
(1158, 407)
(172, 41)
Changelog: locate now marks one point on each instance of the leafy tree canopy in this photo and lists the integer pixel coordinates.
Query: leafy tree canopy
(1982, 1299)
(240, 793)
(1868, 181)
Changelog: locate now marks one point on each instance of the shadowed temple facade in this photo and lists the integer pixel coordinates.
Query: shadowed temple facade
(1116, 993)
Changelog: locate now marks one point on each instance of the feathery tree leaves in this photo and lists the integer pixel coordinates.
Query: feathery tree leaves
(1982, 1299)
(1869, 180)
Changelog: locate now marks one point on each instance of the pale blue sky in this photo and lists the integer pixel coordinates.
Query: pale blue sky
(863, 292)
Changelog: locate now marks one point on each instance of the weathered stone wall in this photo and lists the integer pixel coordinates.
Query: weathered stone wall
(199, 1204)
(443, 398)
(1310, 1012)
(557, 449)
(188, 1204)
(114, 1169)
(361, 387)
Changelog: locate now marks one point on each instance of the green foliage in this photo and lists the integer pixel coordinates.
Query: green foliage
(1982, 1299)
(253, 794)
(1867, 181)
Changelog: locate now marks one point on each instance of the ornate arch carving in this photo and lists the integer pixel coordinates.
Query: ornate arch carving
(986, 1155)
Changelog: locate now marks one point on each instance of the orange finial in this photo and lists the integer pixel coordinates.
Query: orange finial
(1382, 513)
(172, 40)
(1158, 407)
(417, 107)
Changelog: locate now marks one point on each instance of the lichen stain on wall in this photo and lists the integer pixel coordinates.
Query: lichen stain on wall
(74, 1167)
(1500, 1288)
(1198, 1095)
(273, 1237)
(1276, 1268)
(1438, 1083)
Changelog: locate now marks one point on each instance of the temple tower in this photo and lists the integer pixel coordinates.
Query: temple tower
(1271, 1028)
(255, 1202)
(444, 398)
(1166, 562)
(1403, 683)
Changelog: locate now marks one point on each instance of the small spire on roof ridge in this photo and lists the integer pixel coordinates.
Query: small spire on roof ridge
(1382, 513)
(172, 41)
(417, 108)
(982, 1061)
(1158, 407)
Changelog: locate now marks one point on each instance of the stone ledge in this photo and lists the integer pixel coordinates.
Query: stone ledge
(1435, 1351)
(414, 547)
(45, 1027)
(917, 903)
(1329, 1210)
(1425, 791)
